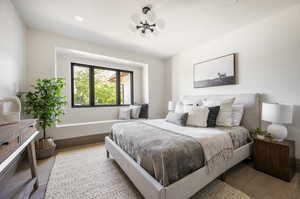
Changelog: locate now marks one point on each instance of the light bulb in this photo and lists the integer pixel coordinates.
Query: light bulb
(160, 24)
(136, 18)
(142, 34)
(151, 16)
(132, 27)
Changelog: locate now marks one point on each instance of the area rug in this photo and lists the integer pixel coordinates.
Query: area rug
(85, 173)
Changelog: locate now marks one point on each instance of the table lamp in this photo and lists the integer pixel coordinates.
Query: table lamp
(171, 106)
(278, 114)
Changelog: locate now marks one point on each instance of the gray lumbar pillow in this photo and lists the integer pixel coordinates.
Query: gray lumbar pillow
(177, 118)
(124, 113)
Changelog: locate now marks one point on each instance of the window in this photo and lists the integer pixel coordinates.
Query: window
(99, 86)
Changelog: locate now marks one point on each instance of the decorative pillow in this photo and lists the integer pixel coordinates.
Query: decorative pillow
(177, 118)
(225, 114)
(196, 102)
(188, 108)
(179, 107)
(144, 111)
(197, 117)
(237, 114)
(124, 113)
(135, 111)
(212, 116)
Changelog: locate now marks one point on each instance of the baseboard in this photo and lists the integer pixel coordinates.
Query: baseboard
(82, 140)
(298, 165)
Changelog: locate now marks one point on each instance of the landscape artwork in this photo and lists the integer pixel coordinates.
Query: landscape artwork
(215, 72)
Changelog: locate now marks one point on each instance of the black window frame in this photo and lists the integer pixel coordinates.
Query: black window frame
(92, 87)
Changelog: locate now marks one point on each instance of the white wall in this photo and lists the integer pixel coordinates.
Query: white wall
(41, 64)
(268, 62)
(79, 115)
(12, 50)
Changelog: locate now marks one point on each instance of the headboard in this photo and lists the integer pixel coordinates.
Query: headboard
(251, 102)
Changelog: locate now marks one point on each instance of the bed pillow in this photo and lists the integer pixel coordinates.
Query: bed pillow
(237, 114)
(212, 116)
(196, 102)
(144, 111)
(197, 117)
(124, 113)
(188, 108)
(135, 111)
(177, 118)
(225, 114)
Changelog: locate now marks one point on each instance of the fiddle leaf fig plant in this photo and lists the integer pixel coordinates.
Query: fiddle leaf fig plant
(46, 102)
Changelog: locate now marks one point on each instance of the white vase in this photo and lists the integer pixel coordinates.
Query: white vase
(278, 132)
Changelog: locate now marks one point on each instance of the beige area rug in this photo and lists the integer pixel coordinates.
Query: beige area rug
(84, 172)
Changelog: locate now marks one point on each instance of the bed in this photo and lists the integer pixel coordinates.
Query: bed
(155, 186)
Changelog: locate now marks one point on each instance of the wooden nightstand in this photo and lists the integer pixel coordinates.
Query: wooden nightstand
(275, 158)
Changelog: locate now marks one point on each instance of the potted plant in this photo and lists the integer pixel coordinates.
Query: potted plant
(259, 133)
(45, 103)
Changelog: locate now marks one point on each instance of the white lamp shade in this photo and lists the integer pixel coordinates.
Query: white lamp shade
(277, 113)
(171, 106)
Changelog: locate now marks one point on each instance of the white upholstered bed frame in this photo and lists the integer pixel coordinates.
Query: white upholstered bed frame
(150, 188)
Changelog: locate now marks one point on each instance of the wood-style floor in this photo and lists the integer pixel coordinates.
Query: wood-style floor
(243, 177)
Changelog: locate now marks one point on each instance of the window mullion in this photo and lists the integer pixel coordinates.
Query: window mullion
(92, 86)
(132, 89)
(118, 80)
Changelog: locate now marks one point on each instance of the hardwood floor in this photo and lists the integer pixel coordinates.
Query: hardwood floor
(243, 177)
(260, 185)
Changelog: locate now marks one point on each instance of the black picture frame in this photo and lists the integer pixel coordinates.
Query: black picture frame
(220, 79)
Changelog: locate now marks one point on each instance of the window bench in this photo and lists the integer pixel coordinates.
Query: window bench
(96, 122)
(66, 135)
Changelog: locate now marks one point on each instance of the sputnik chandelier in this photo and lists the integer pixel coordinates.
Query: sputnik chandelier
(146, 24)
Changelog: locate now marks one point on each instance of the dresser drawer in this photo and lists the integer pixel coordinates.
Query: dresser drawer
(9, 148)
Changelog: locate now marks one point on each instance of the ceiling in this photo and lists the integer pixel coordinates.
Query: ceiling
(106, 22)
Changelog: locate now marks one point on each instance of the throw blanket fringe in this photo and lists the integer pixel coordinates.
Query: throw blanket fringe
(218, 159)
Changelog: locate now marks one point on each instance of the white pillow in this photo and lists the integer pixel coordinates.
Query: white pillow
(197, 102)
(225, 114)
(237, 114)
(188, 108)
(135, 111)
(198, 117)
(124, 113)
(179, 108)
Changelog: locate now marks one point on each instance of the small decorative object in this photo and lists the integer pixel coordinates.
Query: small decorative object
(259, 133)
(171, 106)
(215, 72)
(46, 103)
(278, 114)
(147, 23)
(12, 115)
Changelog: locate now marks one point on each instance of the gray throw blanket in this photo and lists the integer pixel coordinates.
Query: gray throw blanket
(165, 155)
(169, 152)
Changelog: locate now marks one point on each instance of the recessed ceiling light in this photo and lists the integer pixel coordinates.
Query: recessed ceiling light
(78, 18)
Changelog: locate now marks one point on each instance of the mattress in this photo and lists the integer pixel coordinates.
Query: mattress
(166, 151)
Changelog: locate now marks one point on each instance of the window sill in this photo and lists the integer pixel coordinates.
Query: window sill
(96, 122)
(99, 106)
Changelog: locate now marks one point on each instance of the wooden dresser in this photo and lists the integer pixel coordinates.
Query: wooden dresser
(14, 139)
(275, 158)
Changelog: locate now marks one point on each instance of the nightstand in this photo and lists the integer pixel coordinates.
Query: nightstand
(275, 158)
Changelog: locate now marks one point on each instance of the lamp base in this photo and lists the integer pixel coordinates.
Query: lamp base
(278, 132)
